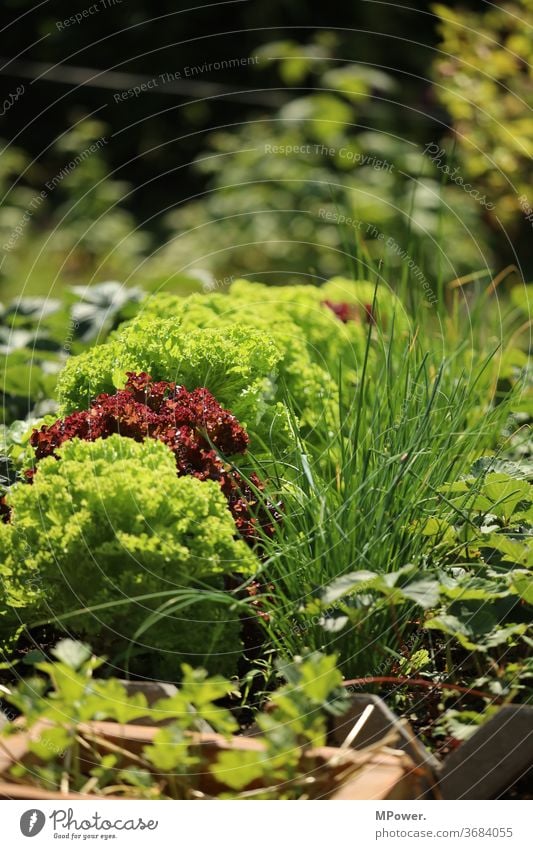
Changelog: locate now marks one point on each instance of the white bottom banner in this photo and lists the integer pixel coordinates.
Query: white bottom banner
(227, 825)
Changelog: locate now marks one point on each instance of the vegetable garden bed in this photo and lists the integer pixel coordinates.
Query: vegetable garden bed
(291, 487)
(330, 773)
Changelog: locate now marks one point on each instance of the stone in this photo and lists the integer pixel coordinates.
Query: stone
(490, 761)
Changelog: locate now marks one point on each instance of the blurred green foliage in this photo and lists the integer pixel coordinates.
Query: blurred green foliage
(65, 221)
(301, 191)
(37, 336)
(286, 193)
(484, 78)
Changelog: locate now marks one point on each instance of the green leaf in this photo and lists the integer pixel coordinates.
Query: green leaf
(453, 626)
(170, 750)
(513, 550)
(499, 494)
(425, 592)
(347, 584)
(109, 700)
(433, 527)
(522, 583)
(118, 378)
(505, 635)
(462, 724)
(238, 769)
(417, 661)
(69, 685)
(519, 470)
(51, 743)
(28, 698)
(72, 653)
(348, 81)
(475, 589)
(319, 677)
(21, 380)
(325, 115)
(334, 624)
(195, 701)
(18, 432)
(136, 777)
(505, 493)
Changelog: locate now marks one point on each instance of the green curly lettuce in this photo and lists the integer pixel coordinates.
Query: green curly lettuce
(316, 346)
(306, 376)
(247, 347)
(103, 533)
(237, 365)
